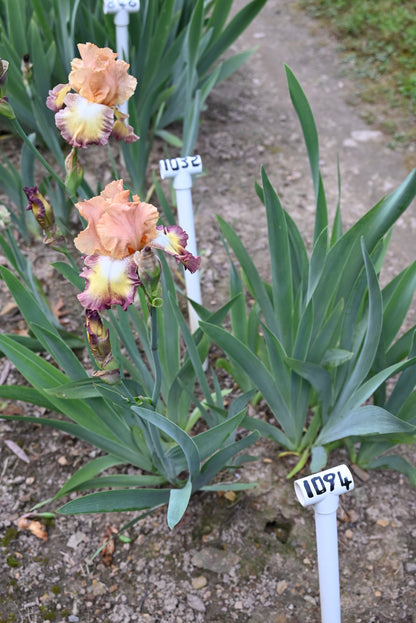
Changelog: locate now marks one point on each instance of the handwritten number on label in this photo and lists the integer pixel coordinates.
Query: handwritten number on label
(319, 484)
(330, 479)
(308, 489)
(345, 482)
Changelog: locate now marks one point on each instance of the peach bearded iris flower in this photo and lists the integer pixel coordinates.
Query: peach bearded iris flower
(118, 231)
(100, 83)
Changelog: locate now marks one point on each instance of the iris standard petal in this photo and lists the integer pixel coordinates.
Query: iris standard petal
(84, 123)
(108, 282)
(173, 241)
(55, 99)
(116, 226)
(99, 77)
(127, 228)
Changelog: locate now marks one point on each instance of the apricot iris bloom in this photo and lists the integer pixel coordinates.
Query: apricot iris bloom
(118, 231)
(89, 116)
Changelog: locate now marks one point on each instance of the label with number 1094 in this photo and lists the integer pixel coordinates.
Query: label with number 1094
(313, 488)
(318, 485)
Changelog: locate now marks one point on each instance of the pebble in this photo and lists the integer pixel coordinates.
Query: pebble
(75, 539)
(363, 136)
(215, 560)
(199, 582)
(97, 588)
(282, 586)
(196, 603)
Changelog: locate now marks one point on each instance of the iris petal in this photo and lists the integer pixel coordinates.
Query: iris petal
(173, 241)
(116, 226)
(108, 282)
(122, 131)
(84, 123)
(99, 77)
(55, 99)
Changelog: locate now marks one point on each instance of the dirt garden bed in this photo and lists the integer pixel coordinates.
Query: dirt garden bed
(248, 558)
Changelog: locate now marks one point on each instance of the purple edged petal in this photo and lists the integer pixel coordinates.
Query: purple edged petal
(173, 241)
(122, 131)
(83, 122)
(108, 282)
(55, 99)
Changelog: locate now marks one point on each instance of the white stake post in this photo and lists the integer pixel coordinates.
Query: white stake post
(182, 170)
(122, 10)
(322, 491)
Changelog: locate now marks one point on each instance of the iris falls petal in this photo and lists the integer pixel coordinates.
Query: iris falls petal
(83, 122)
(108, 282)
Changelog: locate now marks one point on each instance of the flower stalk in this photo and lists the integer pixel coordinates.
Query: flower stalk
(155, 355)
(21, 133)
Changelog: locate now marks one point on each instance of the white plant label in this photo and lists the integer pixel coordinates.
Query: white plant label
(316, 487)
(173, 166)
(113, 6)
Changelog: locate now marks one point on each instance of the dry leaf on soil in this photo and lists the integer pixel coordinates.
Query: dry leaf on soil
(35, 527)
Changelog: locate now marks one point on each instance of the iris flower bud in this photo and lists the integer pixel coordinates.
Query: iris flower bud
(5, 218)
(99, 342)
(5, 109)
(26, 69)
(98, 337)
(4, 65)
(42, 210)
(74, 171)
(149, 270)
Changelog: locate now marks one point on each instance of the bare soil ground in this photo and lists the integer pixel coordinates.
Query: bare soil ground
(250, 559)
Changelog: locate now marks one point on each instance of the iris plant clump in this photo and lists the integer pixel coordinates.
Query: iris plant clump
(136, 405)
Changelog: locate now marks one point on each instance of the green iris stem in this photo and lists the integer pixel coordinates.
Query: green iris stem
(155, 354)
(19, 130)
(112, 162)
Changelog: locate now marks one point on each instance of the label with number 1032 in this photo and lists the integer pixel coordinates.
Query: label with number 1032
(170, 167)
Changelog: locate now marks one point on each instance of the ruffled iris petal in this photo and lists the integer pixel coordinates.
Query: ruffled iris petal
(116, 227)
(173, 241)
(127, 228)
(55, 99)
(99, 77)
(108, 282)
(84, 123)
(122, 131)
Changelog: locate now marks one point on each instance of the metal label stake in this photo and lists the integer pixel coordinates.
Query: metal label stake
(322, 491)
(182, 170)
(121, 10)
